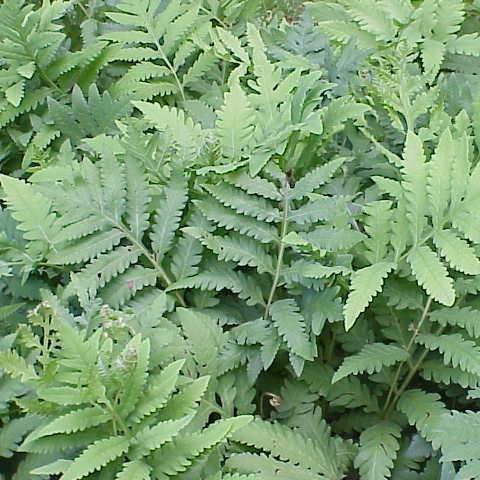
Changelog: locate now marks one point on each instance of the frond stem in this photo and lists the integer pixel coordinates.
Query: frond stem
(163, 274)
(166, 60)
(281, 251)
(387, 407)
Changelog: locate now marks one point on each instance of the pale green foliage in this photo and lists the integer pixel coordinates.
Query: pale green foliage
(225, 212)
(378, 449)
(139, 412)
(292, 448)
(431, 28)
(372, 358)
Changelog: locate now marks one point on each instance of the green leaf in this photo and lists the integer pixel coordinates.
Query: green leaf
(291, 326)
(138, 198)
(433, 52)
(14, 94)
(75, 421)
(167, 217)
(30, 208)
(372, 358)
(315, 179)
(152, 438)
(160, 387)
(378, 450)
(235, 123)
(96, 456)
(459, 254)
(432, 275)
(425, 411)
(288, 445)
(415, 184)
(243, 203)
(364, 286)
(466, 318)
(439, 177)
(456, 351)
(137, 470)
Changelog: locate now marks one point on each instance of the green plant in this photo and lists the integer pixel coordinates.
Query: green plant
(213, 210)
(104, 405)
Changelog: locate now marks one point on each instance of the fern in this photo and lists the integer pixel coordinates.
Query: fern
(137, 421)
(234, 208)
(372, 277)
(285, 444)
(105, 234)
(378, 449)
(372, 358)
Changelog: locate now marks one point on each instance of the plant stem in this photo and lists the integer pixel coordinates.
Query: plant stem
(163, 274)
(166, 60)
(281, 250)
(410, 375)
(388, 406)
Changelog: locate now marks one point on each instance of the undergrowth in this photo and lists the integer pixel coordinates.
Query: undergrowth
(239, 240)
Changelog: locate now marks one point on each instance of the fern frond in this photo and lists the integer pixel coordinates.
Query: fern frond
(378, 450)
(378, 226)
(96, 456)
(322, 208)
(415, 184)
(234, 124)
(152, 438)
(455, 350)
(438, 186)
(425, 411)
(186, 401)
(16, 366)
(126, 285)
(136, 469)
(160, 387)
(315, 179)
(75, 421)
(254, 185)
(372, 358)
(228, 218)
(291, 326)
(431, 274)
(87, 247)
(243, 203)
(365, 285)
(242, 250)
(186, 256)
(262, 466)
(332, 239)
(137, 198)
(288, 445)
(434, 371)
(178, 455)
(167, 218)
(102, 270)
(459, 254)
(32, 210)
(466, 318)
(222, 276)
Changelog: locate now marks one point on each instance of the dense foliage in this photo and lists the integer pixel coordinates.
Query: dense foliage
(239, 239)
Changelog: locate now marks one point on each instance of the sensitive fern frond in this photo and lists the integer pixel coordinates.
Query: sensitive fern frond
(378, 449)
(289, 446)
(365, 285)
(372, 358)
(291, 326)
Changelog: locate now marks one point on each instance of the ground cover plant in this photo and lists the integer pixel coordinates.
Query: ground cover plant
(239, 239)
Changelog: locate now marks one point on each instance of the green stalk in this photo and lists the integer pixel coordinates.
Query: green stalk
(281, 251)
(166, 60)
(388, 406)
(162, 273)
